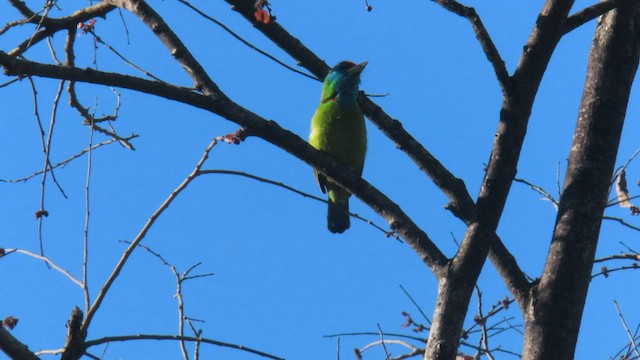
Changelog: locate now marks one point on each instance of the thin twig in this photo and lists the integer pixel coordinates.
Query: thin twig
(238, 37)
(632, 339)
(127, 61)
(484, 336)
(621, 221)
(85, 261)
(287, 187)
(370, 333)
(180, 278)
(415, 304)
(125, 256)
(384, 347)
(605, 271)
(68, 160)
(634, 257)
(540, 190)
(48, 261)
(109, 339)
(489, 48)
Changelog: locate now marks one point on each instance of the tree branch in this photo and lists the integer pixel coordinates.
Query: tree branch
(460, 202)
(489, 48)
(267, 130)
(554, 318)
(172, 42)
(587, 14)
(455, 293)
(53, 25)
(74, 347)
(14, 348)
(109, 339)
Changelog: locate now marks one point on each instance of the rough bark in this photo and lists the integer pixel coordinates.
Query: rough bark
(457, 282)
(13, 348)
(74, 347)
(553, 316)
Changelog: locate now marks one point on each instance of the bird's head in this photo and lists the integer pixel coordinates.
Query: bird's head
(341, 84)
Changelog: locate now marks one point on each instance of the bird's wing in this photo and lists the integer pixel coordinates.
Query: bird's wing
(322, 180)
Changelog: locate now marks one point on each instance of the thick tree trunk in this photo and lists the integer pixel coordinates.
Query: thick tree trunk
(456, 282)
(553, 316)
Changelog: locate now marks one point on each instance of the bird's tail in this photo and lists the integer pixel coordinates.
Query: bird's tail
(338, 217)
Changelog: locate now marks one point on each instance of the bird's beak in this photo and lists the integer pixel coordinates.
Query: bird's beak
(356, 70)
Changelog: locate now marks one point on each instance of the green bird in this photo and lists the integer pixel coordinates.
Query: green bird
(337, 128)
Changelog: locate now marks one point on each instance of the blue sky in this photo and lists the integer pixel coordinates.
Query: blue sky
(282, 281)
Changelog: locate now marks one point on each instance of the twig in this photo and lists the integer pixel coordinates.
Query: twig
(238, 37)
(54, 114)
(125, 256)
(384, 347)
(383, 342)
(621, 221)
(127, 61)
(109, 339)
(558, 181)
(540, 190)
(68, 160)
(179, 280)
(629, 249)
(370, 333)
(415, 304)
(484, 336)
(53, 25)
(489, 48)
(85, 262)
(635, 257)
(632, 339)
(292, 189)
(605, 271)
(48, 262)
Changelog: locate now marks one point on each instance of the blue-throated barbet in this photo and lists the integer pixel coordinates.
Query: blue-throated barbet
(338, 129)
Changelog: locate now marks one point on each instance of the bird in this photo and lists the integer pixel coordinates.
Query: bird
(338, 129)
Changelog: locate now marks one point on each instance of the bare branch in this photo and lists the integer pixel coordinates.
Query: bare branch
(371, 333)
(127, 61)
(14, 348)
(109, 339)
(460, 202)
(292, 189)
(489, 48)
(68, 160)
(621, 221)
(632, 339)
(48, 261)
(416, 304)
(85, 261)
(540, 190)
(239, 38)
(173, 43)
(52, 25)
(587, 14)
(267, 130)
(125, 256)
(384, 347)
